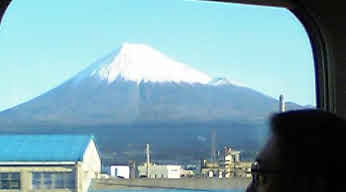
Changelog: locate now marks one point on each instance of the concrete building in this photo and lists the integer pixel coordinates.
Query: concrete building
(48, 163)
(120, 171)
(160, 171)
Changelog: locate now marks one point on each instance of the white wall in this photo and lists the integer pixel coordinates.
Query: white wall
(161, 171)
(122, 170)
(91, 164)
(173, 171)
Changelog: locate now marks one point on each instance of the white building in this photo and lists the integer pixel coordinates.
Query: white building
(173, 171)
(160, 171)
(120, 171)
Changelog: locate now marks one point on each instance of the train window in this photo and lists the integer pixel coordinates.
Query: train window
(174, 89)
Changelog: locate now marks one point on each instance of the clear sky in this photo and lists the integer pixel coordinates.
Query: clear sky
(44, 43)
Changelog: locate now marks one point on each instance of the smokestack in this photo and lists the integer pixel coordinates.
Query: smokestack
(282, 105)
(147, 152)
(213, 146)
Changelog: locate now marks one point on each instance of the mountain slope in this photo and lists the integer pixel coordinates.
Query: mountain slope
(137, 95)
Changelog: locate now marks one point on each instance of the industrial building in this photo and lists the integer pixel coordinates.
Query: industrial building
(227, 165)
(160, 171)
(151, 170)
(120, 171)
(48, 162)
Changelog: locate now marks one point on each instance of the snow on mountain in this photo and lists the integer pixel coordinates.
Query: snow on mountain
(220, 81)
(139, 62)
(167, 114)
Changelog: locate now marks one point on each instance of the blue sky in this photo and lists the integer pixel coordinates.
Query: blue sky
(44, 43)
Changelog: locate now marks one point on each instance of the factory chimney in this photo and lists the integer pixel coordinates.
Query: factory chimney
(282, 105)
(147, 152)
(213, 146)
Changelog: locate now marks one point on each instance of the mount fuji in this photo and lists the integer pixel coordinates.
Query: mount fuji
(137, 95)
(137, 63)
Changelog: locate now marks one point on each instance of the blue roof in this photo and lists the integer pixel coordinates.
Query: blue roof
(43, 147)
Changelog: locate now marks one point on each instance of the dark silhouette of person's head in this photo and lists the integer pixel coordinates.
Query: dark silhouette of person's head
(304, 153)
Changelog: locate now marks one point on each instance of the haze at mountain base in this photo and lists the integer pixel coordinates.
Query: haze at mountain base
(137, 95)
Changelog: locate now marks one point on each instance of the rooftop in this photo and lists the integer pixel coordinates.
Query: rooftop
(43, 148)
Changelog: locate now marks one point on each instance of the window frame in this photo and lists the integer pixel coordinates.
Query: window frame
(325, 80)
(43, 183)
(12, 177)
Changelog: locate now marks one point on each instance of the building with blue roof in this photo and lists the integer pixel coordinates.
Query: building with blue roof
(48, 162)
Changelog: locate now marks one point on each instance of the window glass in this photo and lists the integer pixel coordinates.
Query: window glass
(36, 180)
(53, 180)
(4, 181)
(59, 181)
(69, 180)
(9, 181)
(191, 84)
(47, 180)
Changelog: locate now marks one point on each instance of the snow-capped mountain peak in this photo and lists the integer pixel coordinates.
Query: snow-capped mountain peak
(139, 62)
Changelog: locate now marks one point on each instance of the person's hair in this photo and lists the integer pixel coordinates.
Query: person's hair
(311, 143)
